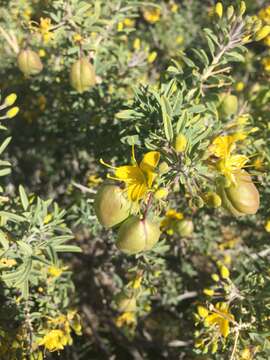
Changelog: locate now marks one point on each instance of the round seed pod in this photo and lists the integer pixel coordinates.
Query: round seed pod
(184, 227)
(82, 75)
(111, 205)
(29, 62)
(229, 105)
(136, 235)
(242, 197)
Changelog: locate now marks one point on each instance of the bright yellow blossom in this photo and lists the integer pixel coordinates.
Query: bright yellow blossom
(7, 262)
(138, 178)
(267, 226)
(137, 44)
(152, 57)
(220, 318)
(55, 271)
(45, 27)
(266, 63)
(208, 292)
(152, 15)
(239, 86)
(127, 318)
(55, 340)
(171, 217)
(228, 163)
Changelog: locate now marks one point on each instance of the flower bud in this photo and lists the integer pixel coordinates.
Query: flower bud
(184, 227)
(229, 105)
(29, 62)
(82, 75)
(11, 113)
(137, 235)
(10, 99)
(111, 205)
(219, 9)
(125, 303)
(242, 196)
(212, 199)
(230, 12)
(261, 34)
(180, 143)
(242, 8)
(163, 167)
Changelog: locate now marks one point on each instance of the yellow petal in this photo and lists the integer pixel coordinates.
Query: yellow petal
(129, 172)
(224, 328)
(150, 161)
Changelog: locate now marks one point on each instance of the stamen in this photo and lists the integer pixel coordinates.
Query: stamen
(107, 165)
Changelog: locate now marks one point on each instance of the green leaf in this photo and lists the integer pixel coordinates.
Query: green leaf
(5, 172)
(26, 248)
(4, 144)
(24, 199)
(12, 217)
(165, 108)
(67, 248)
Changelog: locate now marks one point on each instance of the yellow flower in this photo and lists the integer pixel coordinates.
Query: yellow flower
(239, 86)
(262, 33)
(55, 340)
(129, 22)
(220, 318)
(215, 277)
(77, 38)
(42, 52)
(258, 164)
(174, 8)
(48, 218)
(152, 57)
(222, 147)
(45, 29)
(266, 41)
(264, 14)
(266, 63)
(7, 262)
(152, 15)
(55, 271)
(180, 143)
(138, 178)
(179, 40)
(202, 311)
(161, 193)
(137, 44)
(171, 217)
(267, 226)
(120, 26)
(136, 283)
(127, 318)
(224, 272)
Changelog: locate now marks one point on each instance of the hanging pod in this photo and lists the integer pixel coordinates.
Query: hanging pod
(111, 205)
(136, 235)
(242, 197)
(82, 75)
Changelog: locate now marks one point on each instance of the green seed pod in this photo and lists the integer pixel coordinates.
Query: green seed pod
(137, 235)
(229, 105)
(82, 75)
(184, 227)
(111, 205)
(29, 62)
(242, 197)
(125, 303)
